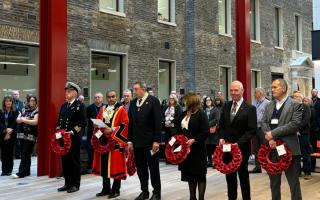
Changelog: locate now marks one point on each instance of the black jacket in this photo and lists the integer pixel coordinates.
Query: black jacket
(144, 122)
(198, 129)
(242, 128)
(92, 112)
(12, 122)
(214, 118)
(306, 119)
(72, 116)
(316, 106)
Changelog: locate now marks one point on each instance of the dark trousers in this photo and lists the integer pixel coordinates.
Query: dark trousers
(71, 164)
(25, 164)
(243, 174)
(17, 145)
(7, 148)
(88, 147)
(313, 140)
(105, 180)
(210, 150)
(292, 175)
(258, 140)
(145, 163)
(305, 147)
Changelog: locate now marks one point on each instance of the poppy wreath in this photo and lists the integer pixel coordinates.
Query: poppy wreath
(233, 165)
(176, 158)
(61, 146)
(274, 167)
(131, 165)
(100, 148)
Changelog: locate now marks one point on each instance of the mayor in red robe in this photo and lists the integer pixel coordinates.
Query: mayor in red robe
(112, 164)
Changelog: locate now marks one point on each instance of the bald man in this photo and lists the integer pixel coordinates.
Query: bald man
(238, 124)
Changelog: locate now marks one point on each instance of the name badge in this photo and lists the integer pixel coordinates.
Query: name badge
(226, 148)
(275, 121)
(98, 134)
(281, 150)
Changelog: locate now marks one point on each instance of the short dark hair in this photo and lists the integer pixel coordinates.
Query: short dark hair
(108, 91)
(31, 96)
(283, 83)
(141, 84)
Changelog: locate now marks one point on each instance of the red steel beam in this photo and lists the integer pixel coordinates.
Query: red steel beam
(243, 46)
(52, 77)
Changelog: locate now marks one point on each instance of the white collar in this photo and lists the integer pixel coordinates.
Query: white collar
(239, 102)
(282, 100)
(143, 99)
(71, 102)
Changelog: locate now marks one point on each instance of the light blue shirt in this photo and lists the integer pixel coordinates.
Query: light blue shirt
(260, 107)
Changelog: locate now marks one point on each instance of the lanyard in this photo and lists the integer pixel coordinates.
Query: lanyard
(6, 115)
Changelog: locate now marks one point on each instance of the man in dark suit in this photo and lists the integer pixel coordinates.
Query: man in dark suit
(19, 107)
(144, 138)
(238, 124)
(315, 134)
(92, 112)
(72, 118)
(281, 121)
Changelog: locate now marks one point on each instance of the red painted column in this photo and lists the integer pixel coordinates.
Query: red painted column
(52, 77)
(243, 45)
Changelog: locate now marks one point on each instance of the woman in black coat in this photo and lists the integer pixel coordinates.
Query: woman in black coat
(7, 134)
(170, 115)
(213, 115)
(193, 123)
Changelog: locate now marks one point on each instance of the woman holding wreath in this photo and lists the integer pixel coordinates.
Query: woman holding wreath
(193, 123)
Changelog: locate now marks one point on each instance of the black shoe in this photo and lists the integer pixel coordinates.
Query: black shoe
(102, 193)
(72, 189)
(63, 188)
(256, 170)
(155, 197)
(113, 195)
(142, 196)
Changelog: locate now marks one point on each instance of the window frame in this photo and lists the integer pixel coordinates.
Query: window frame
(119, 9)
(172, 13)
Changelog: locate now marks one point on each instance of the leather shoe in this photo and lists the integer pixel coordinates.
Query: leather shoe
(142, 196)
(63, 188)
(113, 195)
(72, 189)
(256, 170)
(102, 193)
(155, 197)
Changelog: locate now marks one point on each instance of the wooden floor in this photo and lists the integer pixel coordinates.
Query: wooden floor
(37, 188)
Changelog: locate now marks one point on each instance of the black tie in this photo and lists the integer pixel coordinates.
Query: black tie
(140, 100)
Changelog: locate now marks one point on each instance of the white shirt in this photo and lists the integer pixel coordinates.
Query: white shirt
(280, 103)
(71, 102)
(143, 99)
(185, 122)
(238, 104)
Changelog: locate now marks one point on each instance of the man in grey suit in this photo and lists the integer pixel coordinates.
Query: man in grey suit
(281, 121)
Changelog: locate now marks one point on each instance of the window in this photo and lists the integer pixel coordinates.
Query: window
(224, 10)
(254, 20)
(298, 31)
(18, 69)
(166, 11)
(115, 7)
(106, 73)
(166, 79)
(278, 27)
(255, 81)
(225, 81)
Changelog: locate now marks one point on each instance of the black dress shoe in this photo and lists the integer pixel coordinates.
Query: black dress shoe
(113, 195)
(142, 196)
(102, 193)
(256, 170)
(72, 189)
(63, 188)
(155, 197)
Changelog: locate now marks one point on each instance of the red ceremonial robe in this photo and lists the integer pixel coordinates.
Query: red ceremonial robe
(116, 158)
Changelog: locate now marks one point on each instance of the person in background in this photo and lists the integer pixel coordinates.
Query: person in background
(260, 103)
(218, 102)
(28, 135)
(171, 112)
(81, 98)
(92, 112)
(193, 123)
(315, 135)
(20, 108)
(304, 135)
(127, 97)
(8, 132)
(213, 115)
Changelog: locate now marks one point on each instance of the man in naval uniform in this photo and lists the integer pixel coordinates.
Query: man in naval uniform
(72, 118)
